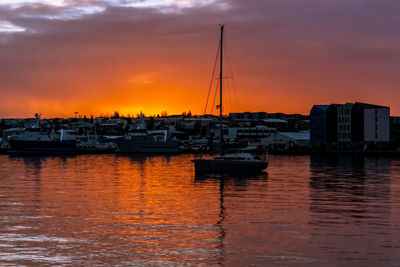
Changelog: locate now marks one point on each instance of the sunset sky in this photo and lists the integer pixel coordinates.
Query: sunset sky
(58, 57)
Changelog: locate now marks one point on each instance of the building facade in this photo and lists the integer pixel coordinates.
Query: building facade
(332, 126)
(349, 126)
(344, 125)
(318, 126)
(370, 123)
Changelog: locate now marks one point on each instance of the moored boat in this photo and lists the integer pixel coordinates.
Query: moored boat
(34, 141)
(230, 163)
(148, 142)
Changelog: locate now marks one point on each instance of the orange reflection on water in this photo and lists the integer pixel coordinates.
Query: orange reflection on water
(136, 210)
(149, 204)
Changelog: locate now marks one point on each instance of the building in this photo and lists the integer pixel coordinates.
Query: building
(278, 124)
(284, 141)
(278, 115)
(298, 122)
(258, 131)
(338, 126)
(395, 132)
(370, 124)
(349, 126)
(344, 126)
(332, 126)
(318, 126)
(248, 116)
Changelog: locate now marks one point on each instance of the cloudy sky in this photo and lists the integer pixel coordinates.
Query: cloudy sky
(98, 56)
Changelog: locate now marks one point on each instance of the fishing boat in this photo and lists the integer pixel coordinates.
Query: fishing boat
(36, 141)
(139, 140)
(87, 145)
(146, 141)
(238, 162)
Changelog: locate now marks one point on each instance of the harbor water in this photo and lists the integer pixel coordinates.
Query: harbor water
(93, 210)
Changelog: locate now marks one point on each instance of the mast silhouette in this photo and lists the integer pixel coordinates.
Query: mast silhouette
(220, 92)
(238, 162)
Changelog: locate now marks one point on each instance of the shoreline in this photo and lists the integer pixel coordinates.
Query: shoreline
(394, 154)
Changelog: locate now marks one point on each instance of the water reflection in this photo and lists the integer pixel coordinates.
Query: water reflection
(349, 180)
(223, 180)
(238, 179)
(153, 210)
(349, 202)
(121, 209)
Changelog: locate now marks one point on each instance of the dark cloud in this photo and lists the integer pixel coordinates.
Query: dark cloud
(286, 54)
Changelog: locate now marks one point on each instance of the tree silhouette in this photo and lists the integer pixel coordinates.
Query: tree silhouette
(115, 116)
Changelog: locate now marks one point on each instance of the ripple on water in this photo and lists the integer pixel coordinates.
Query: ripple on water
(153, 210)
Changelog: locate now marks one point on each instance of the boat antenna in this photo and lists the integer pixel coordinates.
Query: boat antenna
(220, 90)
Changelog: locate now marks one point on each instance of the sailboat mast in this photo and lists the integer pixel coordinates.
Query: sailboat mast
(220, 91)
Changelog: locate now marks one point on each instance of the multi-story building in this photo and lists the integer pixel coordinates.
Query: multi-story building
(258, 131)
(344, 125)
(370, 123)
(248, 116)
(332, 126)
(354, 125)
(395, 132)
(318, 126)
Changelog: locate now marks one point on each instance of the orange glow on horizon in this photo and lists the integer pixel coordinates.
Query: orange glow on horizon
(146, 67)
(157, 89)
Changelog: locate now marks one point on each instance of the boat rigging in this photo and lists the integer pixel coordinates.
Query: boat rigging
(236, 162)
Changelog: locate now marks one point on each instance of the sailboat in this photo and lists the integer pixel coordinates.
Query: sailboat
(238, 162)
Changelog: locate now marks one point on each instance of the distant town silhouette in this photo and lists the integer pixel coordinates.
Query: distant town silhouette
(335, 128)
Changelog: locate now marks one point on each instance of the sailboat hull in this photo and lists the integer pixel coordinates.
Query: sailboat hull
(229, 166)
